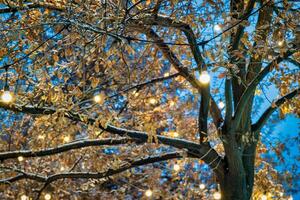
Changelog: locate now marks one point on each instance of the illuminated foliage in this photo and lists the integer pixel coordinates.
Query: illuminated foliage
(144, 99)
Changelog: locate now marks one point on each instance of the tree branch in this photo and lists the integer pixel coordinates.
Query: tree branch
(268, 112)
(63, 148)
(228, 100)
(91, 175)
(294, 62)
(165, 21)
(183, 70)
(141, 85)
(204, 89)
(193, 148)
(203, 113)
(29, 6)
(240, 30)
(252, 86)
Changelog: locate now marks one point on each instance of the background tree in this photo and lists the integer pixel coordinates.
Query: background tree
(94, 91)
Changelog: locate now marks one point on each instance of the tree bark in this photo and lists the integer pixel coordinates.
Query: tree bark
(236, 182)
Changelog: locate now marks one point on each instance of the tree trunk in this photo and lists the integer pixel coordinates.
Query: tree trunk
(236, 182)
(233, 187)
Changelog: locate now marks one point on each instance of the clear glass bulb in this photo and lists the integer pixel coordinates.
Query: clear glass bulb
(20, 158)
(217, 195)
(47, 196)
(217, 28)
(202, 186)
(152, 101)
(221, 105)
(24, 197)
(7, 97)
(97, 98)
(148, 193)
(263, 197)
(280, 43)
(204, 77)
(176, 167)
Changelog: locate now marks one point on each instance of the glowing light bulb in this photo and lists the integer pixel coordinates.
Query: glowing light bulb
(166, 74)
(135, 93)
(217, 195)
(217, 28)
(82, 165)
(270, 57)
(7, 97)
(176, 167)
(172, 103)
(41, 137)
(202, 186)
(221, 105)
(152, 101)
(98, 98)
(67, 138)
(24, 197)
(204, 77)
(263, 197)
(281, 194)
(174, 134)
(148, 193)
(20, 158)
(290, 198)
(47, 196)
(62, 168)
(257, 92)
(280, 43)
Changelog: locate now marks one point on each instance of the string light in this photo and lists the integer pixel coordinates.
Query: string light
(24, 197)
(204, 77)
(281, 194)
(172, 103)
(41, 137)
(270, 57)
(202, 186)
(280, 43)
(20, 158)
(263, 197)
(221, 105)
(176, 167)
(148, 193)
(47, 196)
(174, 134)
(7, 97)
(67, 138)
(98, 98)
(217, 28)
(82, 165)
(135, 93)
(217, 195)
(152, 101)
(62, 168)
(257, 92)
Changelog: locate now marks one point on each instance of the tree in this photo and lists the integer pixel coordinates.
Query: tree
(103, 87)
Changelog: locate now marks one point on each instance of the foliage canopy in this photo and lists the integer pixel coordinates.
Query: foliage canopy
(112, 98)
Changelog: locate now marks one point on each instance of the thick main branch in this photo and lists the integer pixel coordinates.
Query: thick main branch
(206, 153)
(63, 148)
